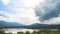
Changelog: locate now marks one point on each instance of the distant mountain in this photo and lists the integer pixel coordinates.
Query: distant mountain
(38, 26)
(4, 24)
(9, 24)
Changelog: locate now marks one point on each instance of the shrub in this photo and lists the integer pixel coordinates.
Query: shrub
(2, 32)
(38, 32)
(27, 32)
(34, 32)
(20, 33)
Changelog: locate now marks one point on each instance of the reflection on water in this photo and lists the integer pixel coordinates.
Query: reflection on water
(15, 30)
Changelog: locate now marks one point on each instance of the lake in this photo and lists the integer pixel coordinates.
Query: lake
(15, 30)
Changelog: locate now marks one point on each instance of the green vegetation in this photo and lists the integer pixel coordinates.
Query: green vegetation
(34, 32)
(20, 33)
(27, 32)
(42, 31)
(2, 32)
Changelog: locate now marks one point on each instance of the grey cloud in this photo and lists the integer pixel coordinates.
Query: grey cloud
(4, 15)
(51, 9)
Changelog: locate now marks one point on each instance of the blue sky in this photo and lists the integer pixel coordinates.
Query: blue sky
(4, 8)
(30, 11)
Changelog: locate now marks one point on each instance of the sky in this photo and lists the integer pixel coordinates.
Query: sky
(30, 11)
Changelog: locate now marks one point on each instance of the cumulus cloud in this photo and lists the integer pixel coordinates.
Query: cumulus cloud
(24, 11)
(55, 20)
(32, 11)
(48, 10)
(3, 16)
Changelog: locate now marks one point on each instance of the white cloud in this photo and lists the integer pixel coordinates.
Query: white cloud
(6, 2)
(24, 12)
(3, 16)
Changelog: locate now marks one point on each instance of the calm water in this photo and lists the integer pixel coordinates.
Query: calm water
(15, 30)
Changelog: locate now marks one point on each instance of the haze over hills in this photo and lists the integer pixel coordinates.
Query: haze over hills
(9, 24)
(4, 24)
(51, 26)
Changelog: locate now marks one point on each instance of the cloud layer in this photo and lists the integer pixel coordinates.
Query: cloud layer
(23, 11)
(30, 11)
(50, 9)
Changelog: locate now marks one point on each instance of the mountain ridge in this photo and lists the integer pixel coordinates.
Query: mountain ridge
(9, 24)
